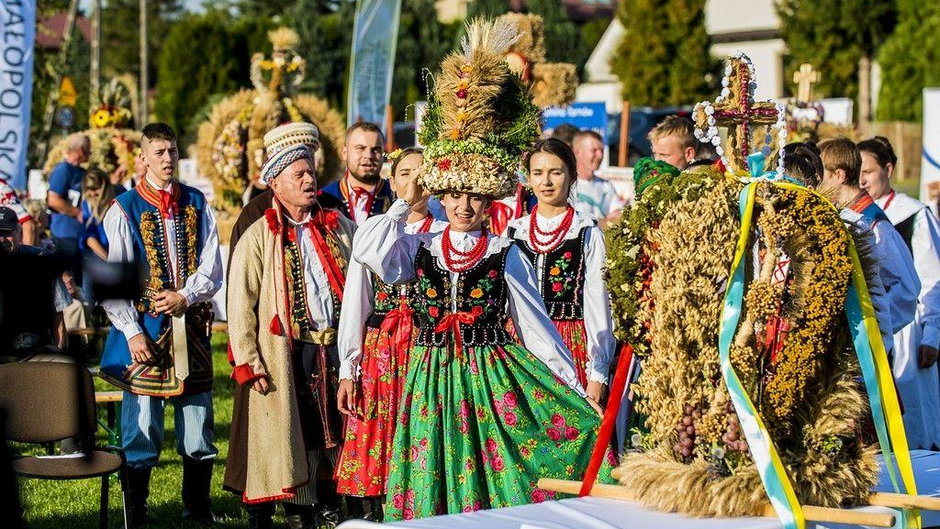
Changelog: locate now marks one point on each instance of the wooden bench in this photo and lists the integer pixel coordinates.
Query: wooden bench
(110, 399)
(89, 331)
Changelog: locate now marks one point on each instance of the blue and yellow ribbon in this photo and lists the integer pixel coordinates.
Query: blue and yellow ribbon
(772, 474)
(873, 361)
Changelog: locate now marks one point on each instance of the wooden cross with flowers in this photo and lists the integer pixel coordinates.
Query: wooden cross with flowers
(735, 109)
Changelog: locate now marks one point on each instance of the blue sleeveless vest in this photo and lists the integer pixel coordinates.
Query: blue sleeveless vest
(148, 232)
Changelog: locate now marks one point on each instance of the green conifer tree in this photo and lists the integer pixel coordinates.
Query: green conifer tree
(909, 60)
(664, 58)
(487, 8)
(833, 35)
(563, 42)
(184, 82)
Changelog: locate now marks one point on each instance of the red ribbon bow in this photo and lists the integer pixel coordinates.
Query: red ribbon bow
(360, 193)
(398, 324)
(452, 322)
(167, 204)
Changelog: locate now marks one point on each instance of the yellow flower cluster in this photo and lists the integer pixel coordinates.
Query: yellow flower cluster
(763, 299)
(823, 247)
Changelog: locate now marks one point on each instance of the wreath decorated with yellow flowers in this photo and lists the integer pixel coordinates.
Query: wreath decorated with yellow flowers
(668, 268)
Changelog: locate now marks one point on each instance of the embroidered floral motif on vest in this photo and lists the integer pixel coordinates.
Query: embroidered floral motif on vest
(481, 291)
(153, 234)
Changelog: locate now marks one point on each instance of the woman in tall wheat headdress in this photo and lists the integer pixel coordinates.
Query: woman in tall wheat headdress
(482, 418)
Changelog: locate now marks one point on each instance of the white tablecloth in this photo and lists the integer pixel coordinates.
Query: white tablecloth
(599, 513)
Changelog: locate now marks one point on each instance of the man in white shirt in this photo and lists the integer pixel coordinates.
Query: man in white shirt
(158, 348)
(592, 194)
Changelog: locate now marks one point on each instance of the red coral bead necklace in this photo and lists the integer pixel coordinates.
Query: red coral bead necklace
(458, 261)
(545, 241)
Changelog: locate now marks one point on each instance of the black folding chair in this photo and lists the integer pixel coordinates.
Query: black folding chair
(51, 401)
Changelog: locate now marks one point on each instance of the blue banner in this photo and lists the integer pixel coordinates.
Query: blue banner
(584, 115)
(16, 87)
(375, 34)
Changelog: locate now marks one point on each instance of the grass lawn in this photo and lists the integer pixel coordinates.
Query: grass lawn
(74, 504)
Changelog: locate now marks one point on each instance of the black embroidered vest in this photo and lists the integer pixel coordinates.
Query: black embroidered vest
(906, 230)
(562, 280)
(386, 299)
(481, 291)
(302, 326)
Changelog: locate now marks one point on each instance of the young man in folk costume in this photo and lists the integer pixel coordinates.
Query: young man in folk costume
(483, 418)
(376, 331)
(158, 349)
(360, 192)
(285, 292)
(915, 347)
(567, 250)
(840, 182)
(802, 164)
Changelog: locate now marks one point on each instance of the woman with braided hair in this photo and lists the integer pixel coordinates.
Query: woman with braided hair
(375, 337)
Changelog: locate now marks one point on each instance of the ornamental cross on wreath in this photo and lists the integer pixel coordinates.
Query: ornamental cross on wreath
(805, 77)
(736, 109)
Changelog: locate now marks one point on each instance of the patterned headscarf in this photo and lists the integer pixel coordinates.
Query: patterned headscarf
(277, 163)
(281, 147)
(648, 171)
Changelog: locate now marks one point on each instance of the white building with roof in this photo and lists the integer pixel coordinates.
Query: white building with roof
(749, 26)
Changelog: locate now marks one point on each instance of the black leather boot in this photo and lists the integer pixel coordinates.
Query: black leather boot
(298, 516)
(197, 480)
(138, 488)
(373, 508)
(260, 516)
(329, 508)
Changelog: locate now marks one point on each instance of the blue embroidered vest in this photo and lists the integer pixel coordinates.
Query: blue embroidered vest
(150, 246)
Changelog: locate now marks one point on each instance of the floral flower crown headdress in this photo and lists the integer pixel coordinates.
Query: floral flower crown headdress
(480, 117)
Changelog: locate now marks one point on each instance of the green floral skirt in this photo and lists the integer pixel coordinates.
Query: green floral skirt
(477, 431)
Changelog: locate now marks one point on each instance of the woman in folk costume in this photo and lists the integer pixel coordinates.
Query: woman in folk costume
(482, 417)
(915, 346)
(375, 337)
(567, 250)
(284, 297)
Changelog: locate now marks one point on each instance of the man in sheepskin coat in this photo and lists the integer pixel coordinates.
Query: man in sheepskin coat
(284, 294)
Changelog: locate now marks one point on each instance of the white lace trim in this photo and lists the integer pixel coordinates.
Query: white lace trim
(581, 220)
